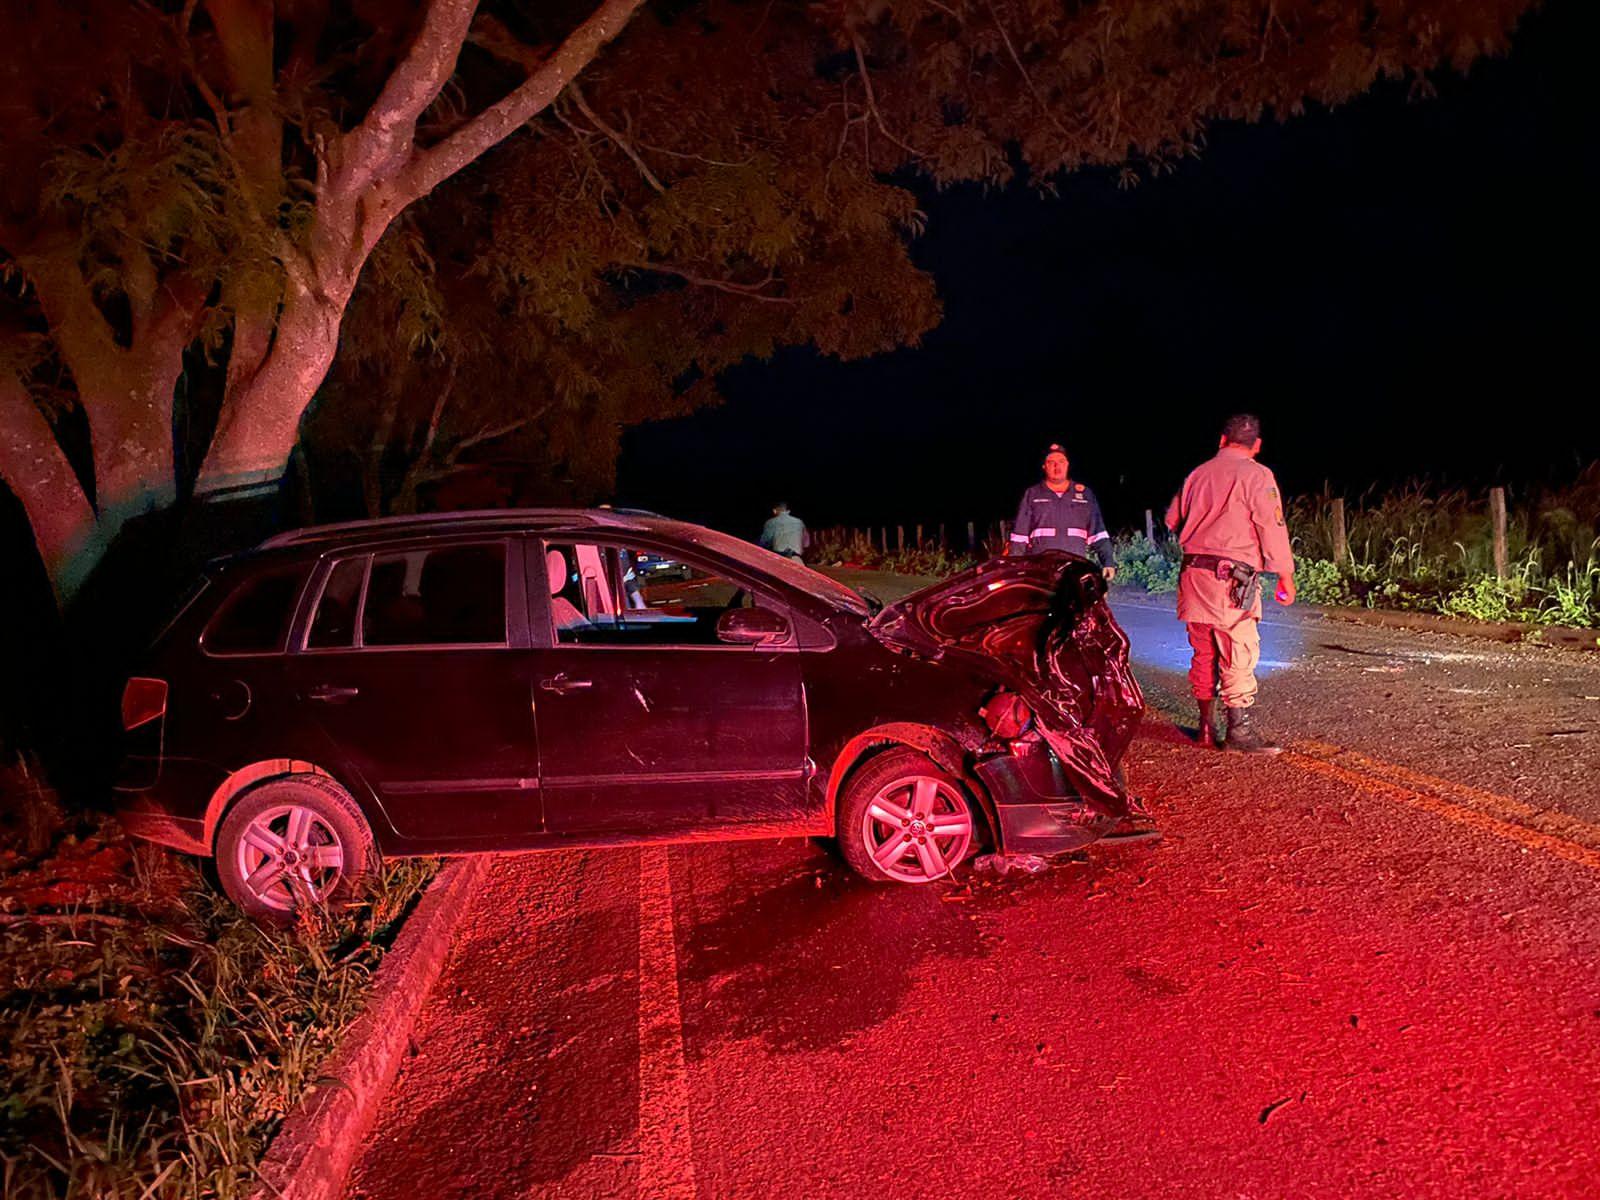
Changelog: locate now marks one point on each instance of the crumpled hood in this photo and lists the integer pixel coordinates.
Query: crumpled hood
(1040, 623)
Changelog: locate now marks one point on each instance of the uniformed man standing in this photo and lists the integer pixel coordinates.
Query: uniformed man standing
(1229, 521)
(1058, 514)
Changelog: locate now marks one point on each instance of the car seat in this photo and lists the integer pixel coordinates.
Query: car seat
(563, 612)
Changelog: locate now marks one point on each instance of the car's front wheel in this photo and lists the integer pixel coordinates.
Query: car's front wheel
(903, 818)
(295, 842)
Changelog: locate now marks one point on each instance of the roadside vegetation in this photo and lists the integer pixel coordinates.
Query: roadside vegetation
(844, 548)
(153, 1037)
(1425, 549)
(1418, 548)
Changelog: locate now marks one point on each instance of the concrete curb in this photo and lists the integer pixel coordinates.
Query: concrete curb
(317, 1145)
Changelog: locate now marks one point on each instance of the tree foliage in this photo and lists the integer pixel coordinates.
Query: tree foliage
(559, 241)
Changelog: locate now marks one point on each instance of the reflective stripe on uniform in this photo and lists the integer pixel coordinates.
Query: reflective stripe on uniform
(1078, 533)
(1099, 537)
(1045, 531)
(1017, 537)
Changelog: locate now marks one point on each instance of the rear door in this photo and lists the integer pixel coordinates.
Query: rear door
(648, 723)
(415, 662)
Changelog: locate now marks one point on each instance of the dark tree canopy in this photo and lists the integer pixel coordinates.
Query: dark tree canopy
(563, 218)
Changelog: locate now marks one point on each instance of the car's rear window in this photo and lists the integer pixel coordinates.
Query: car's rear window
(255, 617)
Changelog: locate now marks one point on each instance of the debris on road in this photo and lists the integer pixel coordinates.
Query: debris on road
(1275, 1106)
(1003, 864)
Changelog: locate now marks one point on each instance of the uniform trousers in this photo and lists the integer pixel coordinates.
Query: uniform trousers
(1227, 654)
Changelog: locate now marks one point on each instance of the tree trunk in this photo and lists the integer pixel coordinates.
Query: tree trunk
(260, 422)
(366, 178)
(131, 434)
(33, 466)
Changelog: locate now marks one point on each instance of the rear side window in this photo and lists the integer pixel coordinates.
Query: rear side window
(448, 596)
(334, 625)
(255, 617)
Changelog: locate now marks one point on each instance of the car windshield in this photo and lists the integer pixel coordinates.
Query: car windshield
(787, 570)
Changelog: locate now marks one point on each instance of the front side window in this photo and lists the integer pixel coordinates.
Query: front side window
(255, 617)
(440, 596)
(620, 595)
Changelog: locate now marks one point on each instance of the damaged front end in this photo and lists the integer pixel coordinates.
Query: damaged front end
(1067, 705)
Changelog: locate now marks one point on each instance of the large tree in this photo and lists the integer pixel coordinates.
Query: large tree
(214, 175)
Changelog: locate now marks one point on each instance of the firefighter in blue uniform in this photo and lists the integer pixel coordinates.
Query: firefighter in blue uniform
(1058, 514)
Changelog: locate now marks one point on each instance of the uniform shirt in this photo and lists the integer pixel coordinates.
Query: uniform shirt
(1229, 507)
(1067, 521)
(785, 534)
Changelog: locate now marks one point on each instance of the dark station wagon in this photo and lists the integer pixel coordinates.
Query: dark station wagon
(523, 679)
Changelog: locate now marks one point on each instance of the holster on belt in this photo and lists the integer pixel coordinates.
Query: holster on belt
(1244, 581)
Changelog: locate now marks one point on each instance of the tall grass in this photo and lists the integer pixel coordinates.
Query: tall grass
(1429, 548)
(154, 1044)
(840, 547)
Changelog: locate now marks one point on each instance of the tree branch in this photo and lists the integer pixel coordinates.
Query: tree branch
(438, 410)
(76, 324)
(484, 435)
(1005, 37)
(383, 141)
(621, 142)
(750, 291)
(431, 167)
(872, 102)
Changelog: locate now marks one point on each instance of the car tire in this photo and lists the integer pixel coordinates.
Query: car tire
(291, 841)
(904, 819)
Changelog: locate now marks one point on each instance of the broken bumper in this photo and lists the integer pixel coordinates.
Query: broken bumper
(1039, 812)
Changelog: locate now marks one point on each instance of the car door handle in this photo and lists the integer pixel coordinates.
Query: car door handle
(328, 694)
(560, 684)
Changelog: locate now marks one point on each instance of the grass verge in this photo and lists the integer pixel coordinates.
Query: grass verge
(155, 1038)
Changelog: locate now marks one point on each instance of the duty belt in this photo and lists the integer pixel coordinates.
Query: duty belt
(1244, 581)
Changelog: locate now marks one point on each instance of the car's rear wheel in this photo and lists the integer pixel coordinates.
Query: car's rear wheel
(295, 842)
(905, 819)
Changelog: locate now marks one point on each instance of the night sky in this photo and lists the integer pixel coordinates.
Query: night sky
(1402, 288)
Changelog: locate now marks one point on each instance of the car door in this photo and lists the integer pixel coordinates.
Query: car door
(648, 722)
(416, 665)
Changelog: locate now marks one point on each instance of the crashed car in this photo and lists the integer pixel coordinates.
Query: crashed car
(504, 681)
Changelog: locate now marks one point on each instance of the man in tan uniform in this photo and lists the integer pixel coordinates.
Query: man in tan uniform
(1229, 521)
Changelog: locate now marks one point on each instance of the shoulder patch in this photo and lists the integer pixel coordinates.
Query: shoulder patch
(1079, 486)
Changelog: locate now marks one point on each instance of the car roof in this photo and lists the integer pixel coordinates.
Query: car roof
(474, 521)
(317, 540)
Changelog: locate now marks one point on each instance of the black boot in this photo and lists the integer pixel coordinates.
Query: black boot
(1244, 737)
(1207, 735)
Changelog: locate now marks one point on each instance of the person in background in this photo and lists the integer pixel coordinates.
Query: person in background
(785, 533)
(1059, 514)
(1229, 521)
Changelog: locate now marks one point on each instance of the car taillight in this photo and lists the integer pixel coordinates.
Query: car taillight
(143, 700)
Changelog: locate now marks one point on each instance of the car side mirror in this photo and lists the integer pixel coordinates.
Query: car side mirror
(752, 627)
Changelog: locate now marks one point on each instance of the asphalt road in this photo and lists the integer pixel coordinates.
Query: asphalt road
(1367, 968)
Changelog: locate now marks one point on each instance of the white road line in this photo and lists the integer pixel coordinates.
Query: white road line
(666, 1147)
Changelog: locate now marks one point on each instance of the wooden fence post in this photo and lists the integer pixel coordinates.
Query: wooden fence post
(972, 537)
(942, 543)
(900, 538)
(1149, 527)
(1341, 539)
(1497, 521)
(884, 530)
(918, 542)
